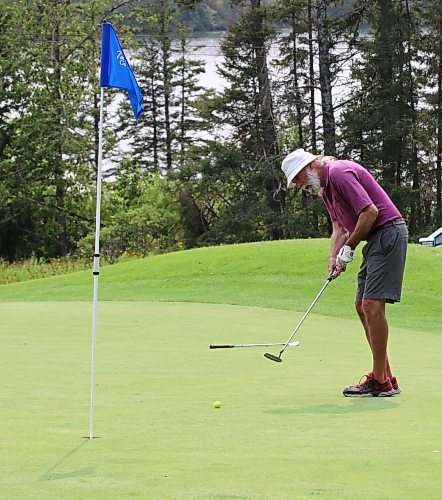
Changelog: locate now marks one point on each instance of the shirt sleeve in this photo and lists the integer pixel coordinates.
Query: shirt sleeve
(349, 185)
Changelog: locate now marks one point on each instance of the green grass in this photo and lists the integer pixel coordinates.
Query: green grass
(283, 431)
(279, 275)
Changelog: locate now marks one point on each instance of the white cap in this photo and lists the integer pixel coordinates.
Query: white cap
(294, 162)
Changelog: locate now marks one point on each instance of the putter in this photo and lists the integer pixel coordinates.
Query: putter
(278, 358)
(229, 346)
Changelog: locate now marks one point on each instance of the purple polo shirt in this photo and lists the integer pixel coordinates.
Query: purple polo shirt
(349, 188)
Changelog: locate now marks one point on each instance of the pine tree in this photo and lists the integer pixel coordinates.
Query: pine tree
(188, 125)
(380, 123)
(168, 76)
(292, 76)
(247, 105)
(432, 46)
(295, 102)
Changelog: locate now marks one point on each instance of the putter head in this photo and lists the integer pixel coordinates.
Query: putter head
(273, 357)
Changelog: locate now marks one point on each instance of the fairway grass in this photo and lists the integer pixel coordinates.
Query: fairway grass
(283, 431)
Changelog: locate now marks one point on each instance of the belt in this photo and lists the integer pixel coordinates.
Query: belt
(395, 222)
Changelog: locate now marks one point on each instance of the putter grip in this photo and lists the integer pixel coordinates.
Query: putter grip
(220, 346)
(332, 275)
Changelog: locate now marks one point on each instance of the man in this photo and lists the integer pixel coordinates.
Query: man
(360, 210)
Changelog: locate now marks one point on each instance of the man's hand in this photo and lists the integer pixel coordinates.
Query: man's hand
(345, 255)
(334, 268)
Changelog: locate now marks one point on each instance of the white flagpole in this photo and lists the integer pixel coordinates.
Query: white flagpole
(96, 262)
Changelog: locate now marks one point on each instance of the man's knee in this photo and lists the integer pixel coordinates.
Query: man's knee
(373, 307)
(358, 307)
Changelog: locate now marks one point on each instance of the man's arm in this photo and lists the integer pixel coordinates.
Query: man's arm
(365, 222)
(339, 238)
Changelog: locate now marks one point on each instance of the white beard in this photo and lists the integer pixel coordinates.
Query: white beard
(313, 185)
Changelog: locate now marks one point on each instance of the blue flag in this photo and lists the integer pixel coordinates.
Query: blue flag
(115, 70)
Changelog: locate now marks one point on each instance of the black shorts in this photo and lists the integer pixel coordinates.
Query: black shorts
(382, 268)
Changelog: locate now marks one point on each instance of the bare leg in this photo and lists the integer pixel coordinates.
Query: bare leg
(384, 327)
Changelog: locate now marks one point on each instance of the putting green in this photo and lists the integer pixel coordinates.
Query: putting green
(283, 431)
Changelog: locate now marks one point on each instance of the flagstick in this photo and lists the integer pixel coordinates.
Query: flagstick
(96, 261)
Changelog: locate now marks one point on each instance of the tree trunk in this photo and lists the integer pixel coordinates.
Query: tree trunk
(325, 79)
(314, 147)
(166, 49)
(183, 106)
(269, 137)
(265, 100)
(296, 83)
(416, 215)
(60, 189)
(439, 131)
(391, 147)
(155, 144)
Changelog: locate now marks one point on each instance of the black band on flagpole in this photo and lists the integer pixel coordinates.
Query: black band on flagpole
(96, 273)
(96, 255)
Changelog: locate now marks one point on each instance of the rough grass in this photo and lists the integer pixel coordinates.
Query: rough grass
(33, 268)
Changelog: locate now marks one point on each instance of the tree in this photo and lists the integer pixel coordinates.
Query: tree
(187, 91)
(142, 217)
(432, 46)
(246, 105)
(380, 125)
(168, 75)
(292, 77)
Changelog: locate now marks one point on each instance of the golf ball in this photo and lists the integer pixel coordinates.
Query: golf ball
(217, 404)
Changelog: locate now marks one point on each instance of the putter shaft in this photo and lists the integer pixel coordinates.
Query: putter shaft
(278, 358)
(230, 346)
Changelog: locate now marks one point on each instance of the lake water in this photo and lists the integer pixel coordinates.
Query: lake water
(208, 48)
